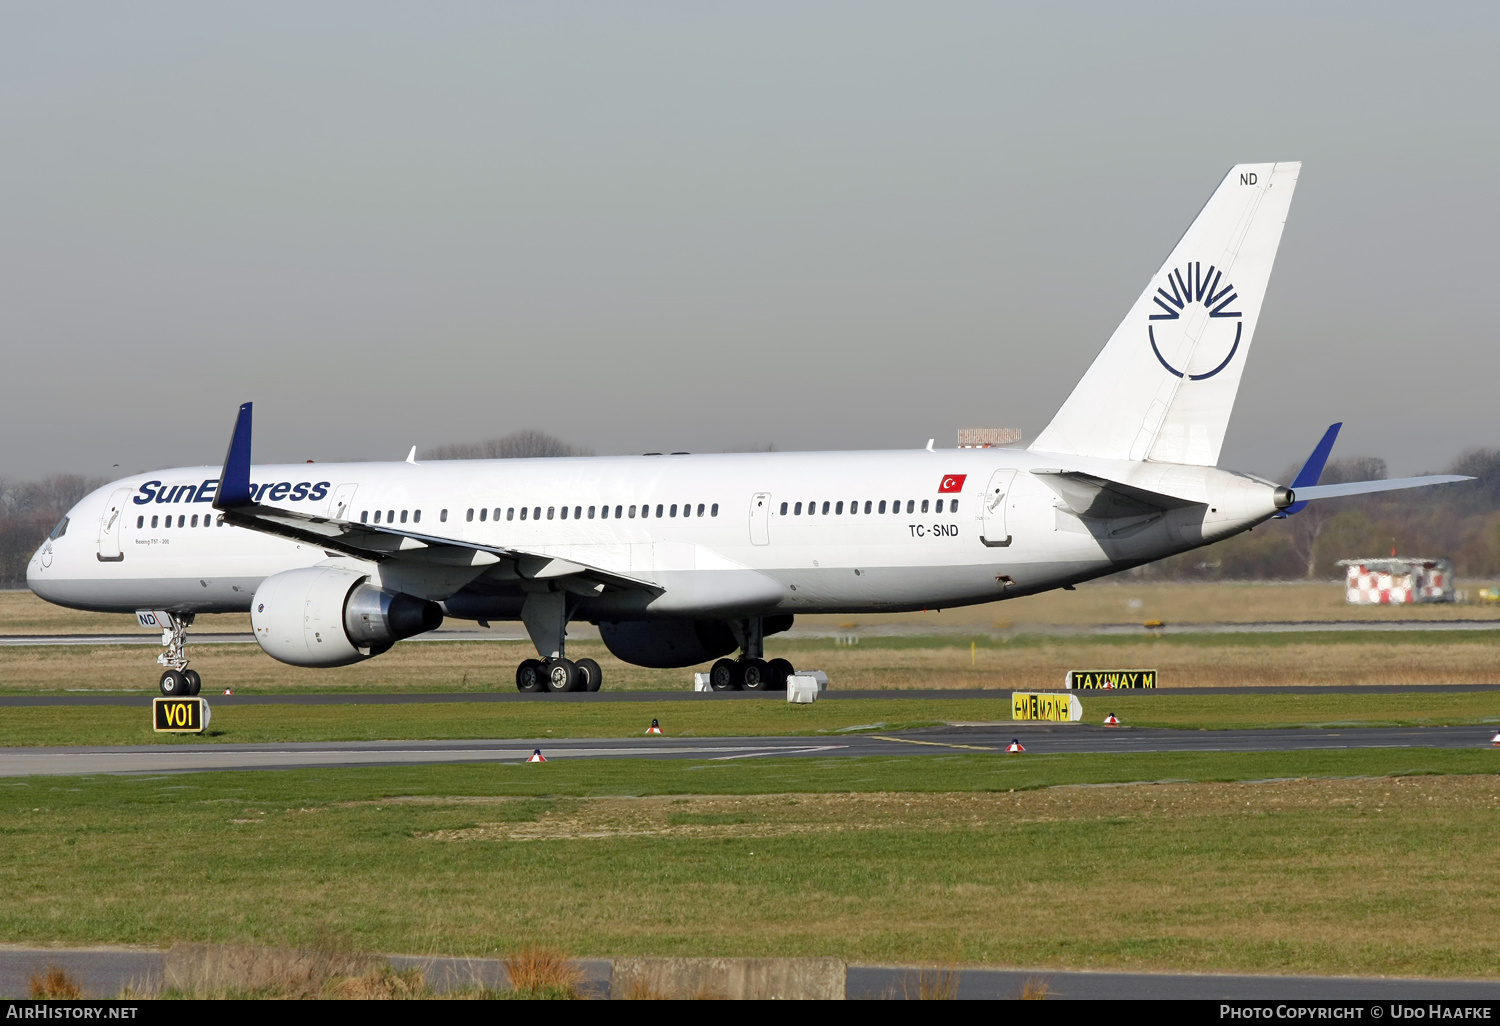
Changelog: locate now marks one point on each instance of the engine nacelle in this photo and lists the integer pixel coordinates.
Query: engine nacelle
(325, 616)
(667, 644)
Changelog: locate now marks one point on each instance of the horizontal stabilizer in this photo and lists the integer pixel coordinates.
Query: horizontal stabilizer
(1335, 491)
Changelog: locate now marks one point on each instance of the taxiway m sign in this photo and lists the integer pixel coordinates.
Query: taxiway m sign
(1108, 680)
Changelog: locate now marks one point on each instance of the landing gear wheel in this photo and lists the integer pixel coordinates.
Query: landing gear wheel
(562, 675)
(194, 682)
(174, 684)
(755, 675)
(779, 670)
(529, 676)
(591, 674)
(725, 675)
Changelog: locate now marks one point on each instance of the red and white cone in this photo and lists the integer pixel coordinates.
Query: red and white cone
(229, 691)
(1110, 721)
(537, 756)
(655, 728)
(1496, 739)
(1015, 746)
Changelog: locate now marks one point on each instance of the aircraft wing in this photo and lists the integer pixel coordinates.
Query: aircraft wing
(1102, 499)
(379, 542)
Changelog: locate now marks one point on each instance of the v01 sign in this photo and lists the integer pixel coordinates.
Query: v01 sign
(180, 715)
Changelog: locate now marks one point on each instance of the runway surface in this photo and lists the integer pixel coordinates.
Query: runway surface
(103, 972)
(1038, 739)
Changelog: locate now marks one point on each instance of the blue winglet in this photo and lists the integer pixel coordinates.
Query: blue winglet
(234, 481)
(1313, 468)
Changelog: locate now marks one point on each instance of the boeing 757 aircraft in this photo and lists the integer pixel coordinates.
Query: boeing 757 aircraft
(684, 558)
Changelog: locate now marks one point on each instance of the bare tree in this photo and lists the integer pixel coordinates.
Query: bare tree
(29, 510)
(518, 445)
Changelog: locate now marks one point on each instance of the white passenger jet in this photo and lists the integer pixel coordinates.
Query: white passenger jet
(683, 558)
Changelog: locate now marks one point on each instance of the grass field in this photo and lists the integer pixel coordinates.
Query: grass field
(1025, 662)
(1101, 602)
(121, 725)
(1369, 862)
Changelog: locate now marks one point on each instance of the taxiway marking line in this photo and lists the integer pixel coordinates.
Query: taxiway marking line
(935, 744)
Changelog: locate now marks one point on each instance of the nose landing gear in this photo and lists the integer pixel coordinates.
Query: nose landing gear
(177, 681)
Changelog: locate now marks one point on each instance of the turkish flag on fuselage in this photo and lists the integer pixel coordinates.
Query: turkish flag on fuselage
(952, 483)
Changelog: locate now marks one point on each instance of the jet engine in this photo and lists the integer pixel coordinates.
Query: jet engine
(325, 616)
(666, 644)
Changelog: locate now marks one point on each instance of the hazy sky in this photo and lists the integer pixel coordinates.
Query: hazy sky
(703, 226)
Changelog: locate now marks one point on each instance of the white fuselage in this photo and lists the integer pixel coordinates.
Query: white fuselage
(721, 535)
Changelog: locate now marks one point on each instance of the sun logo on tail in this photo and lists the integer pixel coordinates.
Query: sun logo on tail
(1191, 285)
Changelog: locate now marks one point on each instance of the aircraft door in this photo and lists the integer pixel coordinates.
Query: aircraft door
(110, 524)
(338, 506)
(760, 518)
(992, 507)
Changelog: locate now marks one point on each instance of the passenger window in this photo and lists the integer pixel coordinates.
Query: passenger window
(550, 511)
(219, 520)
(783, 509)
(632, 512)
(645, 512)
(577, 512)
(603, 512)
(467, 516)
(182, 521)
(799, 510)
(882, 505)
(403, 516)
(495, 516)
(940, 505)
(714, 510)
(591, 512)
(617, 511)
(523, 512)
(536, 512)
(867, 506)
(812, 507)
(839, 509)
(700, 508)
(564, 513)
(825, 508)
(416, 516)
(153, 521)
(390, 516)
(510, 513)
(442, 516)
(924, 505)
(673, 510)
(195, 520)
(911, 506)
(952, 505)
(658, 511)
(140, 522)
(364, 516)
(483, 515)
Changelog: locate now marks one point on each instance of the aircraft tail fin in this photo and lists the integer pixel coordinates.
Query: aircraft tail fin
(1164, 385)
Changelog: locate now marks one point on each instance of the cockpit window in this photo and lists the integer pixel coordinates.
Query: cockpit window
(58, 531)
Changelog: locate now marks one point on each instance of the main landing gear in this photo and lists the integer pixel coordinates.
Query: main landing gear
(177, 681)
(546, 614)
(751, 671)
